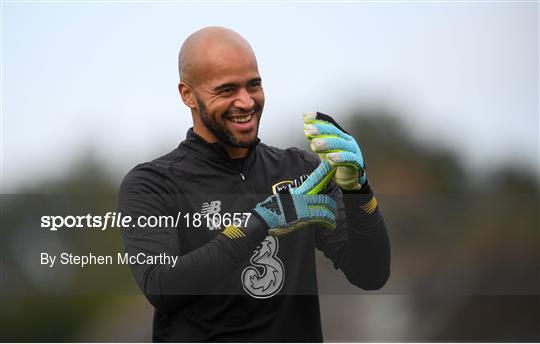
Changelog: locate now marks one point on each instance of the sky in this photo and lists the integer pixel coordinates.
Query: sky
(102, 77)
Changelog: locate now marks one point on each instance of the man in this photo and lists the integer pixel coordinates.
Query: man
(253, 278)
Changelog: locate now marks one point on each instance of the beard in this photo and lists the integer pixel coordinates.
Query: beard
(219, 130)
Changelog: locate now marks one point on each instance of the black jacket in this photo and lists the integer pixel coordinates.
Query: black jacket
(253, 288)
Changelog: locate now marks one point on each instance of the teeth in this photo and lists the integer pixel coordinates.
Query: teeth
(241, 119)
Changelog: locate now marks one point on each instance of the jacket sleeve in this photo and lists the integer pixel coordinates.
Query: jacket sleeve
(144, 192)
(359, 246)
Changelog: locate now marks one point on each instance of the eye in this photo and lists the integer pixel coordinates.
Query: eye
(227, 91)
(256, 84)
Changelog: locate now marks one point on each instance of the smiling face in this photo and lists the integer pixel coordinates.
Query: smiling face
(222, 86)
(231, 100)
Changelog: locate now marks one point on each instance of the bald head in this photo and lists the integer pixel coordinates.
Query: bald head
(203, 51)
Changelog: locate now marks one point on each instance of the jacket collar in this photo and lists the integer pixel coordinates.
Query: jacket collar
(216, 151)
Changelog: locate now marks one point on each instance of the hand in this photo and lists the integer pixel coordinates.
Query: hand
(301, 206)
(335, 145)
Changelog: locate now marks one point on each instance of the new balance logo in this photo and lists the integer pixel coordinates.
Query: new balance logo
(209, 208)
(272, 205)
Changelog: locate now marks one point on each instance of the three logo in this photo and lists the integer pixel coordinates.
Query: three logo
(266, 274)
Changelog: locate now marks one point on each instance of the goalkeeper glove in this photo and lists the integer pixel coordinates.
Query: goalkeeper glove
(291, 210)
(333, 144)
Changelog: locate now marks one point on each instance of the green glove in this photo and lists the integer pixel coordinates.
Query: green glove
(291, 210)
(333, 144)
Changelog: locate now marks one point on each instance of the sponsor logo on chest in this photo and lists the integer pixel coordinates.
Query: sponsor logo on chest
(287, 184)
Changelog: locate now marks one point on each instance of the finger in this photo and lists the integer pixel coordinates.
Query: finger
(322, 212)
(325, 222)
(316, 181)
(321, 201)
(328, 145)
(319, 117)
(323, 129)
(347, 177)
(283, 231)
(346, 159)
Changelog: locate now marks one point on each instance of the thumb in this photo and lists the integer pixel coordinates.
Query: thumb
(317, 180)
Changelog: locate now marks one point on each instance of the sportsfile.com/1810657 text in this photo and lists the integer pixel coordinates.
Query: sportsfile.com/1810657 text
(118, 221)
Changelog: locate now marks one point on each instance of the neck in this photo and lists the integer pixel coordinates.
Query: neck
(236, 152)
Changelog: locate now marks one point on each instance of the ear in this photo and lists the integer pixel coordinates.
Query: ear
(186, 93)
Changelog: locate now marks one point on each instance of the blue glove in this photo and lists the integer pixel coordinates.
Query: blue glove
(301, 206)
(333, 144)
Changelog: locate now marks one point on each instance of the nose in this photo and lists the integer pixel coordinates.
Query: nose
(244, 100)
